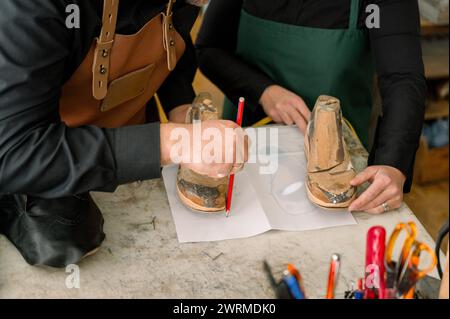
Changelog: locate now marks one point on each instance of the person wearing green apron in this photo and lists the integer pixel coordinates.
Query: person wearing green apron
(282, 55)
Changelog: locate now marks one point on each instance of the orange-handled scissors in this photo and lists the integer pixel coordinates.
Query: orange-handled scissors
(413, 273)
(400, 279)
(394, 269)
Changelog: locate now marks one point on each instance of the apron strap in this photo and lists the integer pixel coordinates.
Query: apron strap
(170, 7)
(169, 36)
(354, 15)
(105, 41)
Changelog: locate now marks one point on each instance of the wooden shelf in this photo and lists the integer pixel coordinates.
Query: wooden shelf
(429, 29)
(435, 58)
(431, 164)
(437, 110)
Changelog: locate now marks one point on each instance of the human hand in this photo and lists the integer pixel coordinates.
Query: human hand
(213, 148)
(178, 114)
(386, 188)
(286, 107)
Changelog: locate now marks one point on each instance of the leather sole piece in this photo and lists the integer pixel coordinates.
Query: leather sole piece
(326, 205)
(196, 207)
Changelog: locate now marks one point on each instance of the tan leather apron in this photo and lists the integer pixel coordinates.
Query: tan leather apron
(121, 73)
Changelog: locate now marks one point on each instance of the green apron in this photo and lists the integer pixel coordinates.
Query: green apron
(311, 62)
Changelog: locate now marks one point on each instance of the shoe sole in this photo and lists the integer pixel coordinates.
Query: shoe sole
(195, 207)
(328, 206)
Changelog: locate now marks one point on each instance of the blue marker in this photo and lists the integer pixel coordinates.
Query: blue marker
(359, 294)
(293, 285)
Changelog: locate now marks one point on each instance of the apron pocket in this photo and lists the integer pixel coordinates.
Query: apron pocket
(127, 87)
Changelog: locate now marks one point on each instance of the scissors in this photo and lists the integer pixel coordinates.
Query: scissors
(404, 274)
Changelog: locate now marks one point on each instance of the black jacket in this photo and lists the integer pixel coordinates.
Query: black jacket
(39, 155)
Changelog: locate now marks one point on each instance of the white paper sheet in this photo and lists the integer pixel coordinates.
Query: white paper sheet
(260, 202)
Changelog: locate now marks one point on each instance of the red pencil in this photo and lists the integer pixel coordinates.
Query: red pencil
(333, 276)
(231, 184)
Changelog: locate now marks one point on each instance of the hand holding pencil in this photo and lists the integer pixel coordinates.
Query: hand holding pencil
(240, 117)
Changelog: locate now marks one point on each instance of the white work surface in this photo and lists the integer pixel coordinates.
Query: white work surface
(143, 260)
(263, 199)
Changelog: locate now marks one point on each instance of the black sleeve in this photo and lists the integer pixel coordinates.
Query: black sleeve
(398, 56)
(177, 89)
(39, 155)
(216, 49)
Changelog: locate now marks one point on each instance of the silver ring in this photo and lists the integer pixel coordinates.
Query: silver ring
(386, 207)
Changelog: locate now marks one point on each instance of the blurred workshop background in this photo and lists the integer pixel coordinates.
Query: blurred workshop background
(429, 198)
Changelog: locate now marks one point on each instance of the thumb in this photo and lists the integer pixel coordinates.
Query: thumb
(364, 176)
(237, 168)
(303, 109)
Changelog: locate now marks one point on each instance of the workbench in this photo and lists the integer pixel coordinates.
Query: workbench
(141, 256)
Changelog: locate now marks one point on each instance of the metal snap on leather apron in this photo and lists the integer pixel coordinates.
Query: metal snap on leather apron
(121, 73)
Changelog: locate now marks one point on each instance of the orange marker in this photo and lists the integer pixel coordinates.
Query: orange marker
(240, 116)
(334, 274)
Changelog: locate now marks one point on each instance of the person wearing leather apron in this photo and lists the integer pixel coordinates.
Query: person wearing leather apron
(282, 55)
(74, 115)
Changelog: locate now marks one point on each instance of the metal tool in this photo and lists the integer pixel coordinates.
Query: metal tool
(280, 288)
